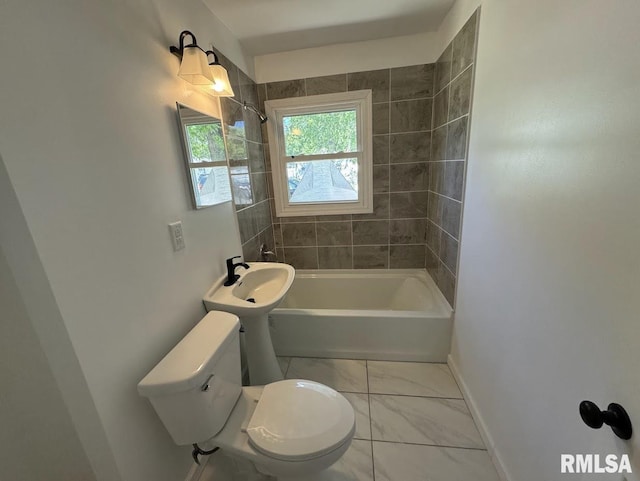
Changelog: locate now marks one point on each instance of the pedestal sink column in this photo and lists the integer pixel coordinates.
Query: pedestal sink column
(261, 358)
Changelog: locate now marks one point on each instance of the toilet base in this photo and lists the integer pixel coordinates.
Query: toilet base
(244, 470)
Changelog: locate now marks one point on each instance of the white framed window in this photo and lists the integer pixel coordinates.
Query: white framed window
(321, 154)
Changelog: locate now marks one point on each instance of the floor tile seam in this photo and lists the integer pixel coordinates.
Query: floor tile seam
(430, 445)
(423, 397)
(417, 396)
(329, 358)
(373, 463)
(363, 359)
(410, 362)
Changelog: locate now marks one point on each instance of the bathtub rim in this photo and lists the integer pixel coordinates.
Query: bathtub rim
(444, 309)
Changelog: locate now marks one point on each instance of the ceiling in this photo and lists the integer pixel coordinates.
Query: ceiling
(269, 26)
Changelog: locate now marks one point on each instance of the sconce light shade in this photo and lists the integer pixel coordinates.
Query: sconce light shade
(221, 86)
(194, 67)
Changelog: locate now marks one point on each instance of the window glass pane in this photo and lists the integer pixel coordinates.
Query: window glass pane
(323, 181)
(241, 183)
(323, 133)
(211, 185)
(206, 143)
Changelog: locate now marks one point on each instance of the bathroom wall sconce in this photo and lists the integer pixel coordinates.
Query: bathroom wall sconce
(221, 86)
(196, 69)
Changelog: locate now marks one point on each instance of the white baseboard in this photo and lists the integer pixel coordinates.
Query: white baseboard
(482, 427)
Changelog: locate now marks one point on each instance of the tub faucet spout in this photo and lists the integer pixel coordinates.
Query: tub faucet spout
(232, 277)
(265, 253)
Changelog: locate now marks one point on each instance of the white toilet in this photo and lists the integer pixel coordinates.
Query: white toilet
(285, 429)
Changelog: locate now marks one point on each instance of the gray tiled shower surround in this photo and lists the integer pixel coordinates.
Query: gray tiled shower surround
(454, 72)
(420, 123)
(247, 163)
(394, 235)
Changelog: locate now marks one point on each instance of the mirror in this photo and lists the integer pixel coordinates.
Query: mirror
(205, 156)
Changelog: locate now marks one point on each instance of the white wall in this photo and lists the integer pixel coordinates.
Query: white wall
(348, 57)
(549, 284)
(28, 299)
(89, 140)
(368, 55)
(37, 444)
(451, 24)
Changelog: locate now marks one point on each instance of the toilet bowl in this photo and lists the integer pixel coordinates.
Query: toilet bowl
(307, 442)
(286, 429)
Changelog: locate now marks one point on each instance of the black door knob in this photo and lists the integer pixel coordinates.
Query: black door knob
(615, 416)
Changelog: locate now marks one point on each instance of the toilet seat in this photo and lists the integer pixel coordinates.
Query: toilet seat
(297, 420)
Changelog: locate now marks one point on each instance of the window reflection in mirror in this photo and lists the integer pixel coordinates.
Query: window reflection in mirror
(239, 162)
(205, 157)
(239, 153)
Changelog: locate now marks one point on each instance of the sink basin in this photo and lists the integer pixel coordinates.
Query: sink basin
(258, 290)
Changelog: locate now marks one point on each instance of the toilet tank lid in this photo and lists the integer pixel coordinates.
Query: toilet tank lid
(185, 367)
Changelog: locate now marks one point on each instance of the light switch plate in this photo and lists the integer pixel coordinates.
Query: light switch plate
(177, 238)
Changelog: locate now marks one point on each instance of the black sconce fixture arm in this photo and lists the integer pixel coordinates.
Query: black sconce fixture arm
(215, 57)
(177, 51)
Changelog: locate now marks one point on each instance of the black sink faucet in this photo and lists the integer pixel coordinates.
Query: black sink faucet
(232, 277)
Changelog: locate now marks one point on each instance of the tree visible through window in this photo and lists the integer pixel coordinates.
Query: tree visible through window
(210, 179)
(206, 142)
(317, 134)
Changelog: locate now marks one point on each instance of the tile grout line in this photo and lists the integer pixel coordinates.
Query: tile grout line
(451, 80)
(443, 230)
(411, 163)
(455, 277)
(363, 245)
(254, 204)
(441, 161)
(403, 132)
(449, 122)
(389, 227)
(413, 99)
(315, 230)
(353, 261)
(390, 220)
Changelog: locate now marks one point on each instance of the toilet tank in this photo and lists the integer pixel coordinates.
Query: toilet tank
(195, 387)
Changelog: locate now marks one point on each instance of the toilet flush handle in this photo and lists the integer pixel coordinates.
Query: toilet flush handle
(198, 451)
(205, 386)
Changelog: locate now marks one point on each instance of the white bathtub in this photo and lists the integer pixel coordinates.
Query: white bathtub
(363, 314)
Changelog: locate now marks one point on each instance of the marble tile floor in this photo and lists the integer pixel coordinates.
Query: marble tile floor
(412, 423)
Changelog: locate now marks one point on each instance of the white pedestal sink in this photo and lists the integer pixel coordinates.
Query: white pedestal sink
(258, 290)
